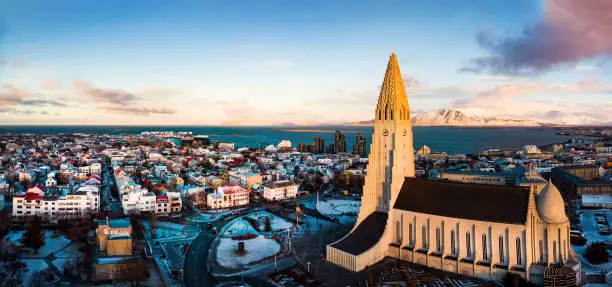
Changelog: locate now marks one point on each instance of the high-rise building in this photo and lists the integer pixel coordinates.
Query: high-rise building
(300, 147)
(479, 230)
(340, 142)
(319, 146)
(329, 148)
(360, 145)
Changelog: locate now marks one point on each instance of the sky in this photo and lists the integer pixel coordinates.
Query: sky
(273, 62)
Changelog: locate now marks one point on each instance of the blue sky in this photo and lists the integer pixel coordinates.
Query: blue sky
(273, 62)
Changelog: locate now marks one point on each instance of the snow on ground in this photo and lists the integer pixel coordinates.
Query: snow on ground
(333, 206)
(589, 231)
(277, 223)
(53, 243)
(239, 227)
(169, 229)
(256, 249)
(34, 265)
(212, 215)
(59, 263)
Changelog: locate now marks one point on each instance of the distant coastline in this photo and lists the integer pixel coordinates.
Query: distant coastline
(319, 131)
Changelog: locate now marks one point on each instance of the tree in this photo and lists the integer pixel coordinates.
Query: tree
(42, 278)
(268, 225)
(34, 237)
(596, 253)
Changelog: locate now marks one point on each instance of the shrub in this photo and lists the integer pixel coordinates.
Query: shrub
(253, 223)
(596, 253)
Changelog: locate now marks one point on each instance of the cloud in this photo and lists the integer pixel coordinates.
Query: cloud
(17, 62)
(571, 31)
(52, 85)
(586, 68)
(43, 112)
(110, 96)
(11, 96)
(138, 110)
(43, 103)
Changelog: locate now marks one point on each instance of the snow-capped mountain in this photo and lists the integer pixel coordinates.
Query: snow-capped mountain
(450, 117)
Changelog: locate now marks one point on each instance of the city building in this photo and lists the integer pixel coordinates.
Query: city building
(339, 142)
(495, 178)
(231, 195)
(319, 146)
(114, 237)
(360, 145)
(284, 145)
(575, 181)
(56, 204)
(280, 190)
(478, 230)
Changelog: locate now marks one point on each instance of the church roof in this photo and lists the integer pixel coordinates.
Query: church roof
(550, 205)
(482, 202)
(368, 233)
(392, 93)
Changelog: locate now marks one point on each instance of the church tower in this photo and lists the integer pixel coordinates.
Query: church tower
(391, 156)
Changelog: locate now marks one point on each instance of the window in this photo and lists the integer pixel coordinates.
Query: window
(424, 235)
(453, 249)
(485, 254)
(438, 246)
(468, 245)
(518, 251)
(555, 251)
(410, 239)
(541, 247)
(501, 249)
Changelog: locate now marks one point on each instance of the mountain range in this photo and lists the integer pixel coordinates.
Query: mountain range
(452, 117)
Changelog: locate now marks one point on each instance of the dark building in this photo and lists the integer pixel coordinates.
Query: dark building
(329, 148)
(340, 142)
(360, 145)
(309, 148)
(573, 182)
(202, 140)
(319, 146)
(300, 147)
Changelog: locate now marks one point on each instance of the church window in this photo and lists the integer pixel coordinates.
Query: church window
(519, 260)
(468, 245)
(391, 115)
(424, 236)
(410, 239)
(438, 246)
(501, 249)
(541, 247)
(453, 249)
(485, 255)
(554, 250)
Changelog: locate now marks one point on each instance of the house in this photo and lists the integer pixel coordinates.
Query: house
(114, 237)
(280, 190)
(231, 195)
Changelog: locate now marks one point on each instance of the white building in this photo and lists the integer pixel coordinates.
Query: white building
(229, 146)
(55, 206)
(51, 181)
(280, 190)
(271, 148)
(284, 145)
(530, 149)
(135, 199)
(231, 195)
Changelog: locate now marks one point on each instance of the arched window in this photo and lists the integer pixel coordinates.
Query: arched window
(555, 251)
(541, 247)
(398, 232)
(501, 249)
(453, 249)
(410, 239)
(519, 258)
(380, 114)
(485, 254)
(438, 246)
(468, 245)
(391, 112)
(424, 236)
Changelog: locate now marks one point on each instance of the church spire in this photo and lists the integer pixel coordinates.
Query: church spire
(392, 101)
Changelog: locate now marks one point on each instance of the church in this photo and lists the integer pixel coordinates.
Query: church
(476, 230)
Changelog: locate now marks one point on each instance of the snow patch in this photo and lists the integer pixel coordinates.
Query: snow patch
(256, 249)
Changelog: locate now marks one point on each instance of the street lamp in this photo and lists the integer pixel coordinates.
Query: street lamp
(308, 266)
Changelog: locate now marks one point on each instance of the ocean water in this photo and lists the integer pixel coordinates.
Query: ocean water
(439, 139)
